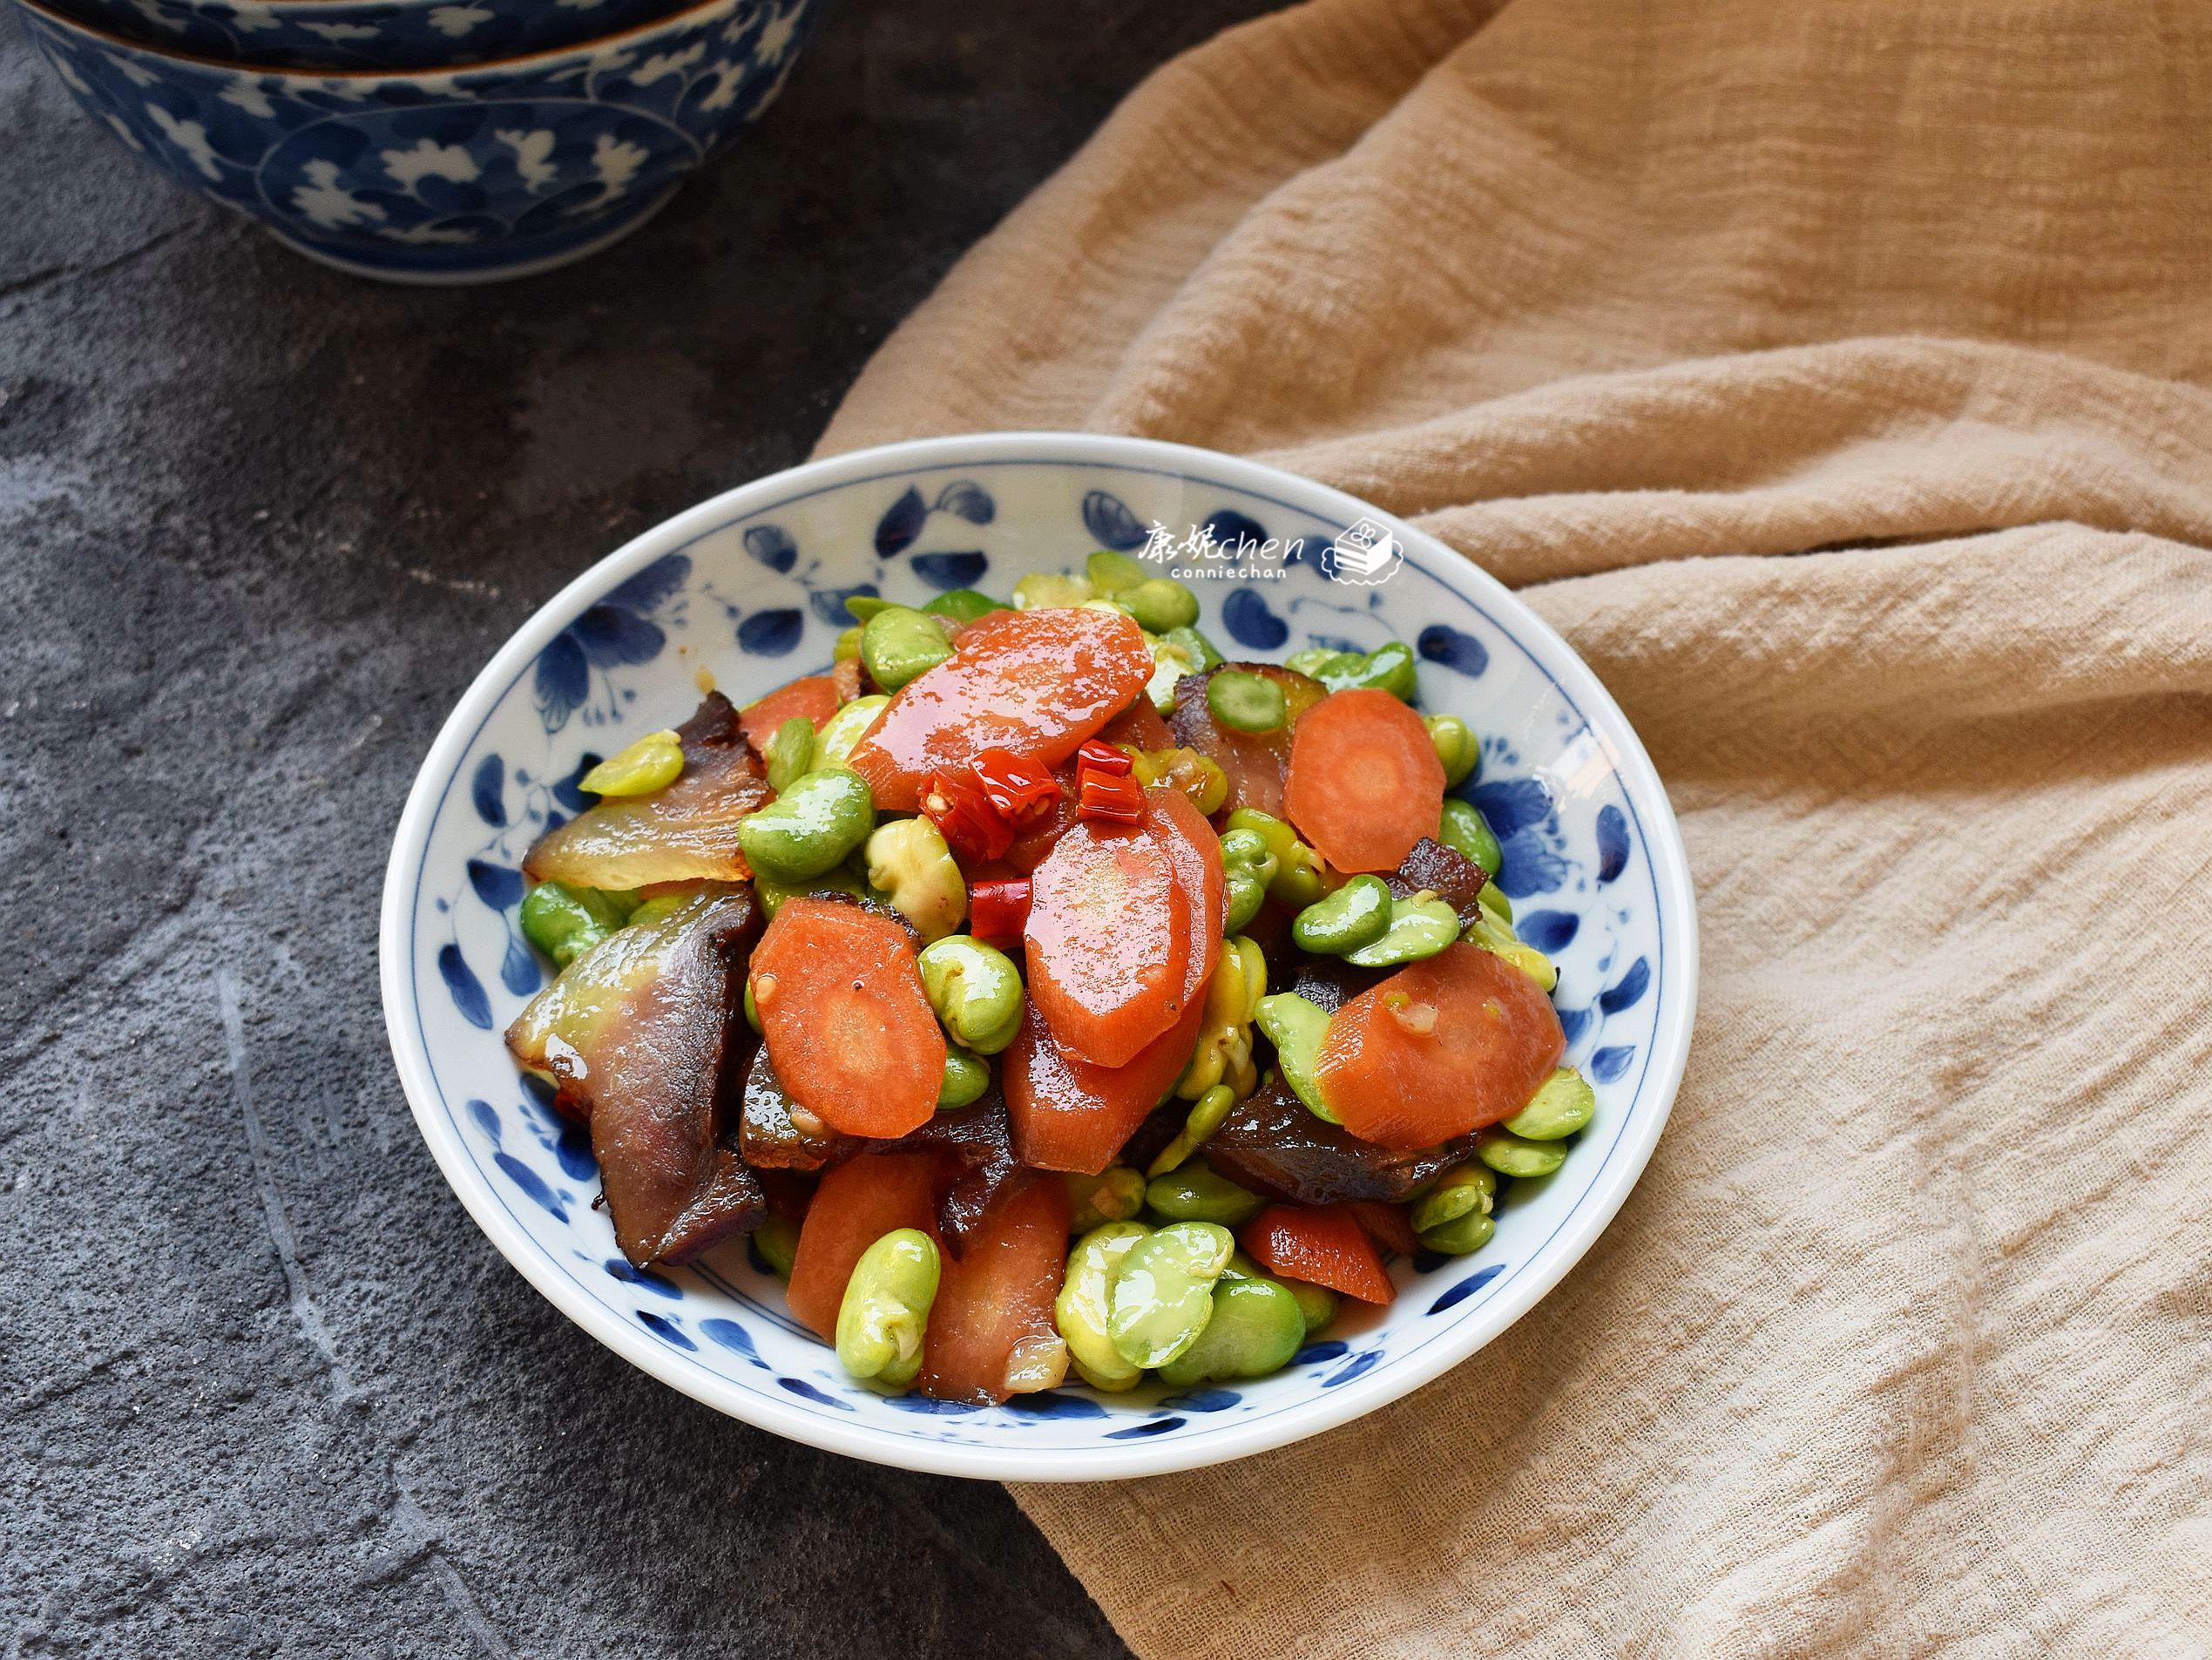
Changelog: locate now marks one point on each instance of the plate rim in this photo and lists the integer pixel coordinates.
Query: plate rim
(1327, 1409)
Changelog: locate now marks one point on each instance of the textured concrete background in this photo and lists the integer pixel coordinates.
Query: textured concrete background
(264, 1389)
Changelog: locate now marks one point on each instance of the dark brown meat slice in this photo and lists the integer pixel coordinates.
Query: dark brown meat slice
(1271, 1143)
(981, 1140)
(654, 1070)
(771, 1135)
(1253, 762)
(1445, 871)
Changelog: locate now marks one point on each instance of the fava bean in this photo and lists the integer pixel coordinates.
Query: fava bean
(1198, 776)
(1494, 901)
(1295, 1025)
(1160, 603)
(966, 1080)
(811, 827)
(776, 1240)
(790, 752)
(1389, 668)
(1224, 1050)
(1466, 1188)
(655, 908)
(1304, 662)
(564, 922)
(1508, 1155)
(886, 1310)
(1563, 1105)
(1417, 928)
(962, 605)
(1041, 590)
(1195, 1192)
(1036, 1363)
(1248, 702)
(1171, 660)
(845, 728)
(1462, 1235)
(976, 991)
(1499, 939)
(848, 645)
(1457, 747)
(1194, 644)
(1357, 914)
(772, 893)
(1463, 827)
(1116, 1194)
(1111, 572)
(1079, 1313)
(1205, 1115)
(909, 864)
(1254, 1326)
(1296, 881)
(900, 643)
(1161, 1294)
(651, 763)
(752, 1008)
(862, 606)
(1317, 1305)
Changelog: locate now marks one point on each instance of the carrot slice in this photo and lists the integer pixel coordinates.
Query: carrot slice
(1387, 1225)
(816, 697)
(997, 1298)
(1442, 1047)
(1108, 934)
(1037, 682)
(857, 1204)
(1325, 1246)
(1195, 852)
(1069, 1114)
(1139, 726)
(1364, 782)
(846, 1023)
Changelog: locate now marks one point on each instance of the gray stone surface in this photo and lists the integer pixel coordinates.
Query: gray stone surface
(264, 1389)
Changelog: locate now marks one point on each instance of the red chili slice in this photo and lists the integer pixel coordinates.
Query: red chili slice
(999, 909)
(1017, 789)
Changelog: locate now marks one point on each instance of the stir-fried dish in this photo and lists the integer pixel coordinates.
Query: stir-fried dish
(1044, 995)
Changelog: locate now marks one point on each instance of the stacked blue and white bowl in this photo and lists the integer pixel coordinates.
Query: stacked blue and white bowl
(428, 140)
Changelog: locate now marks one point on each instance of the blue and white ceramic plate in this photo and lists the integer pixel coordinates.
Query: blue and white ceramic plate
(750, 588)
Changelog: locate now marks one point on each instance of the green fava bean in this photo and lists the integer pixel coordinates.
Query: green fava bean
(1160, 603)
(1305, 663)
(1418, 928)
(1457, 747)
(861, 606)
(909, 864)
(1357, 914)
(1245, 894)
(1508, 1155)
(962, 605)
(790, 752)
(651, 763)
(1563, 1105)
(1461, 1235)
(1255, 1326)
(564, 922)
(1464, 827)
(1195, 1192)
(1080, 1312)
(810, 829)
(1317, 1305)
(1116, 1194)
(777, 1242)
(1043, 590)
(966, 1079)
(1201, 651)
(900, 643)
(1494, 901)
(1296, 881)
(1389, 668)
(886, 1310)
(1111, 572)
(653, 910)
(1248, 702)
(1250, 851)
(1468, 1189)
(845, 728)
(1295, 1025)
(976, 991)
(1205, 1115)
(1498, 939)
(1161, 1294)
(848, 645)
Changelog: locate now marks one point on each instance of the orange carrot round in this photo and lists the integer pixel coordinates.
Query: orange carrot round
(1324, 1246)
(848, 1025)
(1444, 1047)
(1036, 682)
(1108, 940)
(1364, 783)
(815, 697)
(1068, 1114)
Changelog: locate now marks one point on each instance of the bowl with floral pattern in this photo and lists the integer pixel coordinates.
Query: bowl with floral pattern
(450, 175)
(750, 589)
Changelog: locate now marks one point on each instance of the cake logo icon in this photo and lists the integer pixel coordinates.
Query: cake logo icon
(1366, 554)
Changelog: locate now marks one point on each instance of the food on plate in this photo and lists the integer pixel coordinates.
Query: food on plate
(1051, 999)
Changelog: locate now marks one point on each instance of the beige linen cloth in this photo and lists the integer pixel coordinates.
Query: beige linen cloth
(1903, 1345)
